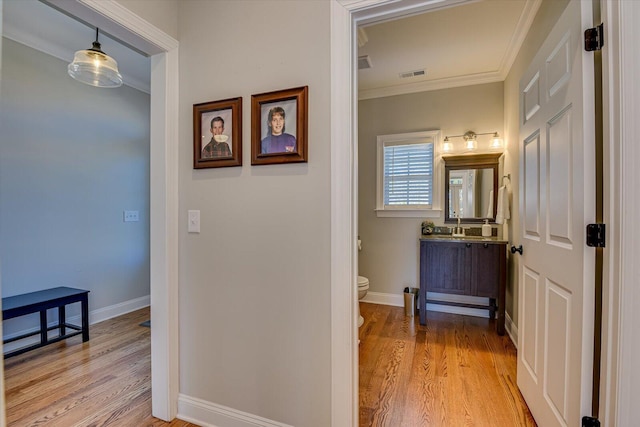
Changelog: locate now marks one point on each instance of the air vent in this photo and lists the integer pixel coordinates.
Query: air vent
(415, 73)
(364, 62)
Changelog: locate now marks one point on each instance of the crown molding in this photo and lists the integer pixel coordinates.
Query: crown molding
(429, 85)
(104, 14)
(517, 39)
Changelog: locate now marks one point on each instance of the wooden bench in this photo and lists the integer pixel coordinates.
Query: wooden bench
(41, 301)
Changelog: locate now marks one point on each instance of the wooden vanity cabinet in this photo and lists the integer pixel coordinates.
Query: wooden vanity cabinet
(469, 268)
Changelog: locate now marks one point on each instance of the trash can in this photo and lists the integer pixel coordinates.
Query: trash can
(410, 301)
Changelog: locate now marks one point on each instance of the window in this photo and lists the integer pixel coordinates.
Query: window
(407, 175)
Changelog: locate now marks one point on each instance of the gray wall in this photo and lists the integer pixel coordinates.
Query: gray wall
(72, 159)
(161, 13)
(390, 249)
(255, 309)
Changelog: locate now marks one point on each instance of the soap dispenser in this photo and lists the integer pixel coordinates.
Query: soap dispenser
(486, 229)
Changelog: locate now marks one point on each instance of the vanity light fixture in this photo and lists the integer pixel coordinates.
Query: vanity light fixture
(471, 141)
(95, 68)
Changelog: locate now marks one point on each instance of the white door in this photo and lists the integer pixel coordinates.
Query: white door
(557, 200)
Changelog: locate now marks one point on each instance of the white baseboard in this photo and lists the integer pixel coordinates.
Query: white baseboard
(207, 414)
(511, 329)
(396, 300)
(95, 316)
(106, 313)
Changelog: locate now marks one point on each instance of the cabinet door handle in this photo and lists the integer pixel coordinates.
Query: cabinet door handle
(485, 245)
(468, 245)
(518, 249)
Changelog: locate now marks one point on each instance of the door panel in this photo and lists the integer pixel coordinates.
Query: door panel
(531, 170)
(486, 268)
(560, 171)
(558, 66)
(450, 268)
(557, 346)
(527, 349)
(555, 340)
(531, 98)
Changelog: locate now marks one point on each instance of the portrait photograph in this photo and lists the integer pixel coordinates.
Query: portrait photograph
(217, 134)
(279, 127)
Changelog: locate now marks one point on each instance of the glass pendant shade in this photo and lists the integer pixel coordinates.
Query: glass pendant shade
(471, 144)
(447, 146)
(496, 141)
(95, 68)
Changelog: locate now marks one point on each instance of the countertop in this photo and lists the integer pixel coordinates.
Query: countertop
(449, 238)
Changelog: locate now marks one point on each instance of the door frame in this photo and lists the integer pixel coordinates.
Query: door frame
(620, 272)
(621, 90)
(125, 25)
(346, 15)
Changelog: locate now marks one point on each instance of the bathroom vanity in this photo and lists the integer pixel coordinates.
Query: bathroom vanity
(466, 266)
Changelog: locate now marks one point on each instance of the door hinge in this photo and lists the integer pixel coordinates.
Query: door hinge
(594, 38)
(596, 235)
(590, 422)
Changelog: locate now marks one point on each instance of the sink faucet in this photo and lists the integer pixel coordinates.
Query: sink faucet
(459, 230)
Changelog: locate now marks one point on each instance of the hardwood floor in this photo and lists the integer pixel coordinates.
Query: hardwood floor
(456, 371)
(103, 382)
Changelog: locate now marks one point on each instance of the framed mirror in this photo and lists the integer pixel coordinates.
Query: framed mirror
(471, 187)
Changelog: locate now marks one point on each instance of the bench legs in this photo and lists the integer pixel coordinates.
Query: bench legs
(61, 319)
(43, 327)
(85, 319)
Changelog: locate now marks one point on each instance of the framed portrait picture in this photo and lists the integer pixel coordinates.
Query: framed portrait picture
(279, 127)
(217, 134)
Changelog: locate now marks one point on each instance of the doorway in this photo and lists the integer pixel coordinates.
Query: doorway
(351, 17)
(390, 260)
(619, 281)
(126, 26)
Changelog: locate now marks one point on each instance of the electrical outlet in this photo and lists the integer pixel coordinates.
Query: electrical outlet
(131, 216)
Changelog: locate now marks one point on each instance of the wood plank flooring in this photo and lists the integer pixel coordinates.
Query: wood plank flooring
(455, 371)
(103, 382)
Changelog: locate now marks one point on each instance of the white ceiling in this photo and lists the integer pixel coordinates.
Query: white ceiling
(43, 28)
(472, 43)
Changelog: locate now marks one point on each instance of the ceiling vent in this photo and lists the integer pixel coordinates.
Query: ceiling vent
(415, 73)
(364, 62)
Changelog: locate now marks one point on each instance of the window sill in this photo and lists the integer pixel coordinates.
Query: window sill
(408, 213)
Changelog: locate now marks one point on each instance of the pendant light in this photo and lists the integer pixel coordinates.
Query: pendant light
(95, 68)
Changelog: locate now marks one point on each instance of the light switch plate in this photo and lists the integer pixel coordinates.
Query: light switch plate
(131, 216)
(193, 225)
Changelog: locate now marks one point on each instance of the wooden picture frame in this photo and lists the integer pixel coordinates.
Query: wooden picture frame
(223, 149)
(279, 127)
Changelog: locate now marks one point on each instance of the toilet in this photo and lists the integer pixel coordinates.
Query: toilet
(363, 287)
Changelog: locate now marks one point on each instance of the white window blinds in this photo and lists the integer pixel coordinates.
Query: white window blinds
(408, 174)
